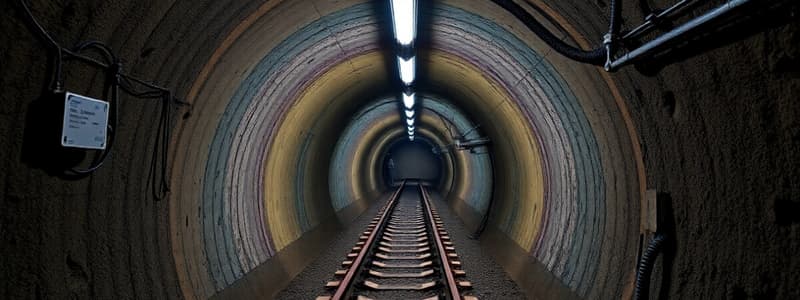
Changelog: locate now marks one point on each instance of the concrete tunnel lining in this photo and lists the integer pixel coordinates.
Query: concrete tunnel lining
(284, 222)
(362, 149)
(218, 230)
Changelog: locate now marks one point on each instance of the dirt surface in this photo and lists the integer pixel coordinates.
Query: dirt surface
(311, 282)
(488, 278)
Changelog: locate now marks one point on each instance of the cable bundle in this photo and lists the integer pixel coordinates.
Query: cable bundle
(116, 80)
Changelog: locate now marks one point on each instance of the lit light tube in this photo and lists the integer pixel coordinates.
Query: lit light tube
(406, 70)
(404, 18)
(408, 101)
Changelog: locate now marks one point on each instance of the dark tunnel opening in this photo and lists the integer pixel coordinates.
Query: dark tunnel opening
(415, 160)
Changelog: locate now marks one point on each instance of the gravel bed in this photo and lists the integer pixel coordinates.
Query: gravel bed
(487, 277)
(310, 283)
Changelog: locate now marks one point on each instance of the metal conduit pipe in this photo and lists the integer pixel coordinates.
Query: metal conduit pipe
(598, 56)
(653, 18)
(645, 267)
(676, 34)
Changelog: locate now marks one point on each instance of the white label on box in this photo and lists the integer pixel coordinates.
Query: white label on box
(85, 122)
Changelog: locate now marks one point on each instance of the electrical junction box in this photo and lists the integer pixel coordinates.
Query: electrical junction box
(85, 122)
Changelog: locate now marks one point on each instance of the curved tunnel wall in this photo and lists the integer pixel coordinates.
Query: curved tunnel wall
(474, 184)
(359, 155)
(561, 220)
(267, 136)
(550, 197)
(104, 237)
(351, 159)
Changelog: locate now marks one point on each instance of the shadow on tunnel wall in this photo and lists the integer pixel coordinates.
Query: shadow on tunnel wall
(40, 147)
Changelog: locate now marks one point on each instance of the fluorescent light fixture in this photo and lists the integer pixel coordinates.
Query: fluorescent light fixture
(410, 122)
(411, 131)
(406, 69)
(411, 128)
(404, 17)
(408, 101)
(409, 113)
(411, 138)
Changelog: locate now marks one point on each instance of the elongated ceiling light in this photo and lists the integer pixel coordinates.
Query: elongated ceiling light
(404, 19)
(406, 67)
(408, 101)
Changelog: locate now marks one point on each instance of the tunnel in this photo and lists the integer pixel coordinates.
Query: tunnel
(285, 127)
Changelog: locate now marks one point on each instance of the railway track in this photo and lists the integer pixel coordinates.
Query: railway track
(404, 253)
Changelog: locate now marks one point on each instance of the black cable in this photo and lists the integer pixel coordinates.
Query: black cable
(161, 144)
(97, 45)
(116, 80)
(595, 56)
(55, 79)
(615, 17)
(127, 86)
(645, 268)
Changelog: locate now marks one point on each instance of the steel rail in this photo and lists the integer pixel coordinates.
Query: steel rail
(351, 273)
(452, 286)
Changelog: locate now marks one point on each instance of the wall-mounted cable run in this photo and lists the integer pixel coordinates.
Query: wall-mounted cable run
(116, 81)
(595, 56)
(625, 47)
